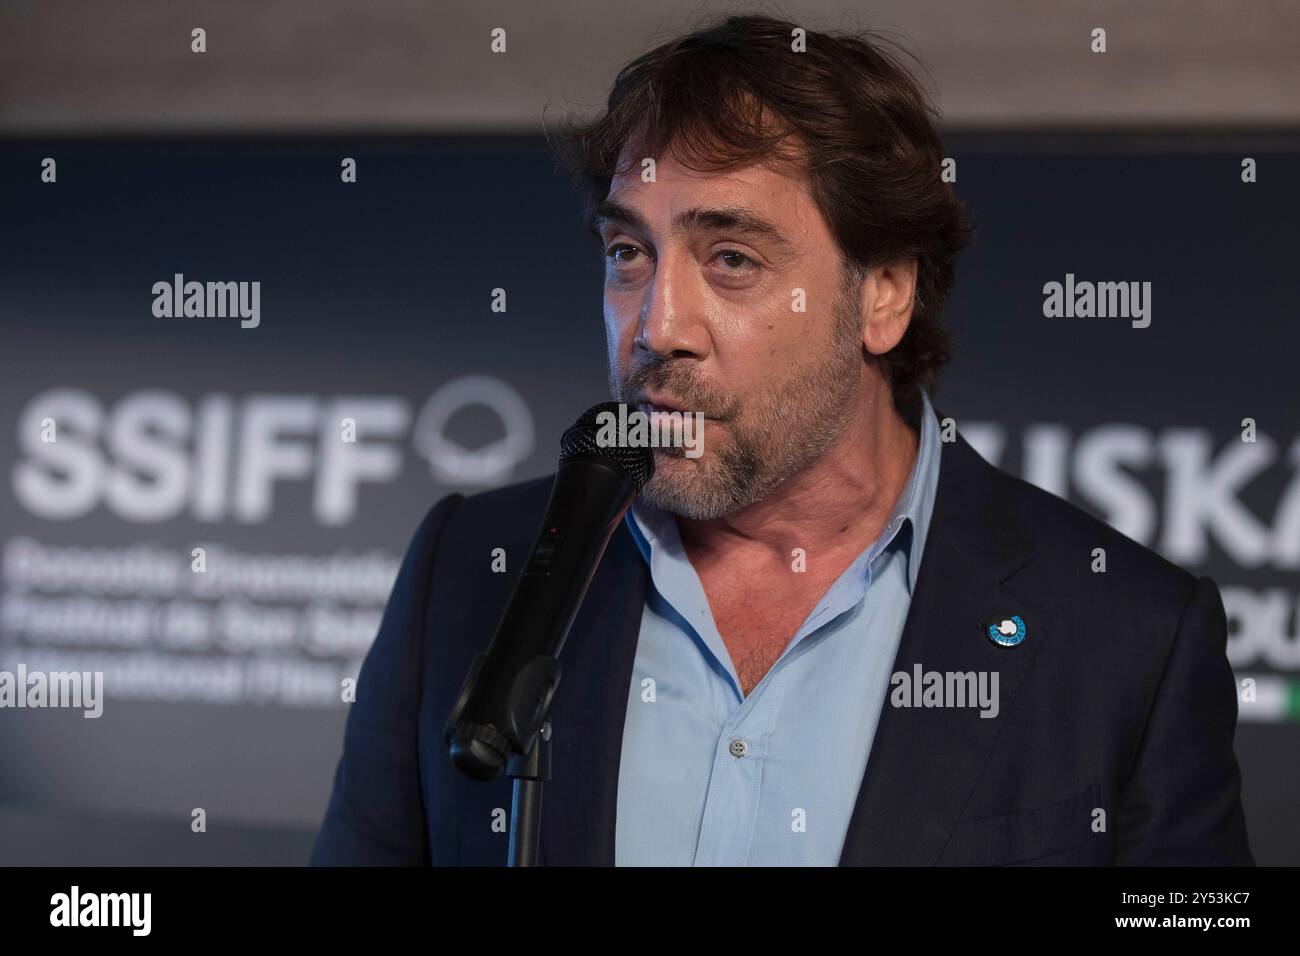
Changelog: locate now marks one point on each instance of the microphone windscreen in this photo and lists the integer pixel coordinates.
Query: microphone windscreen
(580, 441)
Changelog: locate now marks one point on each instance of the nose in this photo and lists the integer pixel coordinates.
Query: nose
(671, 322)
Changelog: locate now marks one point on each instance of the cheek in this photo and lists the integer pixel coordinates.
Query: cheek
(619, 332)
(766, 317)
(762, 341)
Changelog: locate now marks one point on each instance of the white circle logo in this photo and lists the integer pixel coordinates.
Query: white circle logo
(494, 463)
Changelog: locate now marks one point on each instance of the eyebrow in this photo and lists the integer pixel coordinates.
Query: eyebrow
(714, 219)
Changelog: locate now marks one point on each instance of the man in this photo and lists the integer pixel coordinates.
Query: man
(836, 636)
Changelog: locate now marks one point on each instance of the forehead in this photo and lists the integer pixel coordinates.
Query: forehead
(777, 192)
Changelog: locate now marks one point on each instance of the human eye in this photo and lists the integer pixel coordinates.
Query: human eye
(615, 254)
(736, 260)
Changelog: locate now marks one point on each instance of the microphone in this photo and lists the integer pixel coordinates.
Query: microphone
(507, 694)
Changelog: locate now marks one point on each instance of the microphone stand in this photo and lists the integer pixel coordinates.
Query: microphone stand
(529, 771)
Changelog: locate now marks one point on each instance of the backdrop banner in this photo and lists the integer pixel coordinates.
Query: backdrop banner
(233, 381)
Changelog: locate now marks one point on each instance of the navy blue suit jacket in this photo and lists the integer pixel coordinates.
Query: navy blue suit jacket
(1119, 700)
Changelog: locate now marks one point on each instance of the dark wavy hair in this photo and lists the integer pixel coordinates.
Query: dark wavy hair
(847, 109)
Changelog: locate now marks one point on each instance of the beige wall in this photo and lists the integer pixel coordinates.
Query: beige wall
(110, 65)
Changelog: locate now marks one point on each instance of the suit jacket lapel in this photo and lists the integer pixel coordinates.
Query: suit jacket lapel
(925, 762)
(589, 710)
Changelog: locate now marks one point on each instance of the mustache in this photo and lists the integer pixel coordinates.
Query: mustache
(677, 384)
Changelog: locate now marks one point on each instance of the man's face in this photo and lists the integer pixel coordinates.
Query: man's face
(702, 280)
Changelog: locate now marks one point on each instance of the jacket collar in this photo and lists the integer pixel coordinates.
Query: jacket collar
(925, 762)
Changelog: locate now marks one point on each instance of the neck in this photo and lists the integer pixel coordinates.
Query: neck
(837, 505)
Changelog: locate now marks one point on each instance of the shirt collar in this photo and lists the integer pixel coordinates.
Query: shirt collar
(906, 527)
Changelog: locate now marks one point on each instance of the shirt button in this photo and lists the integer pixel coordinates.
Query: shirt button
(738, 748)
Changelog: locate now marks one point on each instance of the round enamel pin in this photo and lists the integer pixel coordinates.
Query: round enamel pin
(1006, 630)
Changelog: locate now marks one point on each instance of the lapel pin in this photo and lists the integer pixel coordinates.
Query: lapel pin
(1006, 630)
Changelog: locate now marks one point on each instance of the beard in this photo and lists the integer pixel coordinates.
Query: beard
(751, 445)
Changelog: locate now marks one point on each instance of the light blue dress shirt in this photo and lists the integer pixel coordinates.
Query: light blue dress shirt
(709, 777)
